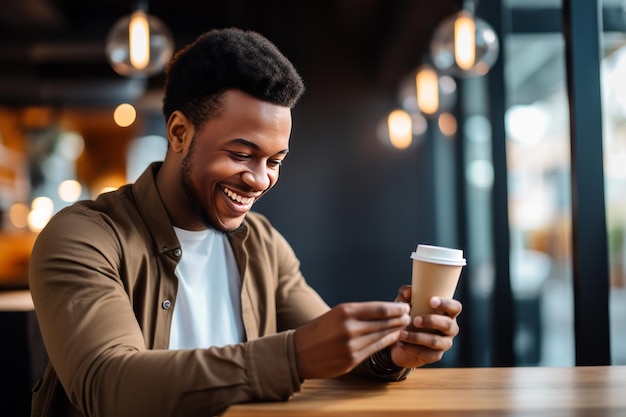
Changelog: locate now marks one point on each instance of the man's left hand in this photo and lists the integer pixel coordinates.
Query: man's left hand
(429, 336)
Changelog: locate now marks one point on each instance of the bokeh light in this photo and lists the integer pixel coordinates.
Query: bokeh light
(124, 115)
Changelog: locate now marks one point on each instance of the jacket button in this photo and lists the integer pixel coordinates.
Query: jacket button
(178, 252)
(167, 304)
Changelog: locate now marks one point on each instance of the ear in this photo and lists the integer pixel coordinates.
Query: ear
(180, 131)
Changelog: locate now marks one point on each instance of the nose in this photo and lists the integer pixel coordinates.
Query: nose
(257, 177)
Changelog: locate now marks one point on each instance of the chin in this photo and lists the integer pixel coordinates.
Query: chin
(229, 229)
(229, 226)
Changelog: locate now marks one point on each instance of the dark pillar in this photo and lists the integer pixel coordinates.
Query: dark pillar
(582, 27)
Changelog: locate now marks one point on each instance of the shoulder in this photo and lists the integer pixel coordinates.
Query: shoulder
(87, 216)
(88, 222)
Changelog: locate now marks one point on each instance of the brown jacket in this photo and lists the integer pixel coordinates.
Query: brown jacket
(102, 280)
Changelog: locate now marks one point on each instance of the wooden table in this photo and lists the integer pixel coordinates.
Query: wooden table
(451, 392)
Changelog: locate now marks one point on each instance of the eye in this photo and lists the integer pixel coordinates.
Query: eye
(275, 163)
(240, 156)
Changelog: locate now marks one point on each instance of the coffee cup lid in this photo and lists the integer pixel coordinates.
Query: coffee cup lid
(439, 255)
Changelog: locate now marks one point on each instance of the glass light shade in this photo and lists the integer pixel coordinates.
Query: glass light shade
(464, 46)
(136, 50)
(409, 90)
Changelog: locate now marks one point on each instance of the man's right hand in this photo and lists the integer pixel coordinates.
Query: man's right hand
(345, 336)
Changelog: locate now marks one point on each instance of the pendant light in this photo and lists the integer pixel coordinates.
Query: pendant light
(464, 45)
(139, 44)
(400, 129)
(426, 91)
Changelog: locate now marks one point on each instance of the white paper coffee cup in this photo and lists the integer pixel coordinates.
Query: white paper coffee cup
(436, 272)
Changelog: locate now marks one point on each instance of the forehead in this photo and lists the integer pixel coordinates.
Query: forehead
(233, 100)
(245, 117)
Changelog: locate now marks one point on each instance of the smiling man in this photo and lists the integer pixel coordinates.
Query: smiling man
(224, 164)
(170, 297)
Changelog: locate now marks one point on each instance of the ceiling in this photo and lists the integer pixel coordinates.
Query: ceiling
(52, 51)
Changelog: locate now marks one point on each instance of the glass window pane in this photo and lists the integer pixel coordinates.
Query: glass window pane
(614, 126)
(538, 160)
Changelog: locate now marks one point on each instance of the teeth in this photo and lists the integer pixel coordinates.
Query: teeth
(236, 197)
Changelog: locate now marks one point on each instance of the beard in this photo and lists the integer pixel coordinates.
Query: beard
(192, 195)
(190, 191)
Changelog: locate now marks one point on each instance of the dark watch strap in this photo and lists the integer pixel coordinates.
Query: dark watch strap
(382, 365)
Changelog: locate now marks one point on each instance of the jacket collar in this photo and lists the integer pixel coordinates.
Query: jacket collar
(156, 218)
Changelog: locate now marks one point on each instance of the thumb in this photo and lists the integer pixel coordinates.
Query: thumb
(404, 294)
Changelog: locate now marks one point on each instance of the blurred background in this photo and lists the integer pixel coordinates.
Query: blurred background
(488, 169)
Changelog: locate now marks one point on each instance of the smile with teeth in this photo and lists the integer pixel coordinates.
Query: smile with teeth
(238, 198)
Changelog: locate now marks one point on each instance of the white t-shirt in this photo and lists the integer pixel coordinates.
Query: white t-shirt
(207, 311)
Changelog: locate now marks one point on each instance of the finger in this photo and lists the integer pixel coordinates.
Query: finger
(430, 341)
(404, 294)
(443, 324)
(373, 342)
(378, 333)
(361, 348)
(448, 306)
(375, 310)
(373, 326)
(421, 354)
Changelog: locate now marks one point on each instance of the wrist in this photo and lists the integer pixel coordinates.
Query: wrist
(382, 364)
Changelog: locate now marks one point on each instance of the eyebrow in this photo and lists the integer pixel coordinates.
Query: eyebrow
(253, 145)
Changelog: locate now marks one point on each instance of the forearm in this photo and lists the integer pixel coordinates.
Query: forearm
(166, 383)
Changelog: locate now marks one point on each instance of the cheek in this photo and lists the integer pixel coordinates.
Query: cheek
(213, 171)
(273, 176)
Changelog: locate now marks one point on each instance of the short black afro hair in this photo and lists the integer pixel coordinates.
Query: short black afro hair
(223, 59)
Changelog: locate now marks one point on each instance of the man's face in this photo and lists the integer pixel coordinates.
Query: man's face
(234, 159)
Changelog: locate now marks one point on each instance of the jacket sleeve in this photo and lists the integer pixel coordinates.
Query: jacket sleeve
(96, 346)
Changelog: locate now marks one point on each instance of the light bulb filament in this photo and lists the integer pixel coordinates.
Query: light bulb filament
(465, 41)
(139, 40)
